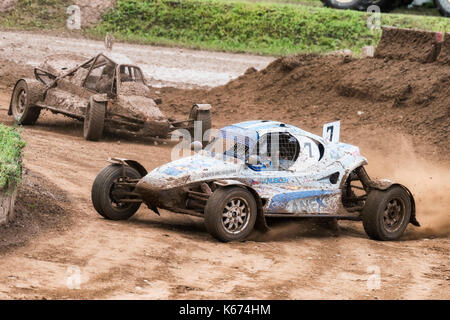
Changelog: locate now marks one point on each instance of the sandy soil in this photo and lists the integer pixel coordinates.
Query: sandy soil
(173, 256)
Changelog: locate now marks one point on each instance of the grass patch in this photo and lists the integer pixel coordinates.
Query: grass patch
(265, 28)
(254, 26)
(10, 157)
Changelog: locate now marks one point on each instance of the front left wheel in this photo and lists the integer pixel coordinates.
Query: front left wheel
(24, 96)
(109, 187)
(230, 214)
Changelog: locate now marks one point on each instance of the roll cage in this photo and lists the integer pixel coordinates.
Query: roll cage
(121, 73)
(279, 148)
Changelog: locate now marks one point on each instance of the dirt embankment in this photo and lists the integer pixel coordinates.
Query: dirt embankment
(40, 206)
(398, 95)
(444, 57)
(408, 44)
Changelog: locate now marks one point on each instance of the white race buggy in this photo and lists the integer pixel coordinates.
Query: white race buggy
(258, 169)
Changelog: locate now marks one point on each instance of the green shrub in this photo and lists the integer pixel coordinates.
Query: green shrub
(258, 27)
(11, 145)
(269, 28)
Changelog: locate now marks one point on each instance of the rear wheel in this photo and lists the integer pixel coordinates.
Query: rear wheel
(386, 214)
(94, 121)
(443, 7)
(22, 108)
(106, 192)
(230, 214)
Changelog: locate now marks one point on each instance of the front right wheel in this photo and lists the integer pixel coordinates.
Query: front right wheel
(387, 213)
(230, 214)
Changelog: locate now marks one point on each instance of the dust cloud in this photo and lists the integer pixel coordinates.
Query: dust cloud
(428, 181)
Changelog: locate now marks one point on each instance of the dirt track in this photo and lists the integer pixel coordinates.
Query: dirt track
(172, 256)
(162, 66)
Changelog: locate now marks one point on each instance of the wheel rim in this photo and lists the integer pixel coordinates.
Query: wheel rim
(236, 215)
(394, 214)
(114, 195)
(21, 101)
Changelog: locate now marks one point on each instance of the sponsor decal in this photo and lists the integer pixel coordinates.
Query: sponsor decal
(274, 180)
(311, 201)
(218, 173)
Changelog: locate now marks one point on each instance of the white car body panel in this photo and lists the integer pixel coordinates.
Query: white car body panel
(304, 189)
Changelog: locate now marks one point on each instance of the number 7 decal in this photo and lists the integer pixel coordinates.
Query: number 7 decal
(330, 135)
(308, 144)
(331, 132)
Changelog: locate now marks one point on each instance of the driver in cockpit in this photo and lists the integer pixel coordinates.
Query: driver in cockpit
(105, 82)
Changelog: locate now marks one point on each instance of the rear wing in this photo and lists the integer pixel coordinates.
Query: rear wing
(331, 132)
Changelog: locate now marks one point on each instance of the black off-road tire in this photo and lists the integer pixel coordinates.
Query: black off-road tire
(94, 121)
(443, 7)
(215, 210)
(388, 5)
(375, 214)
(362, 5)
(24, 96)
(205, 117)
(349, 4)
(101, 193)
